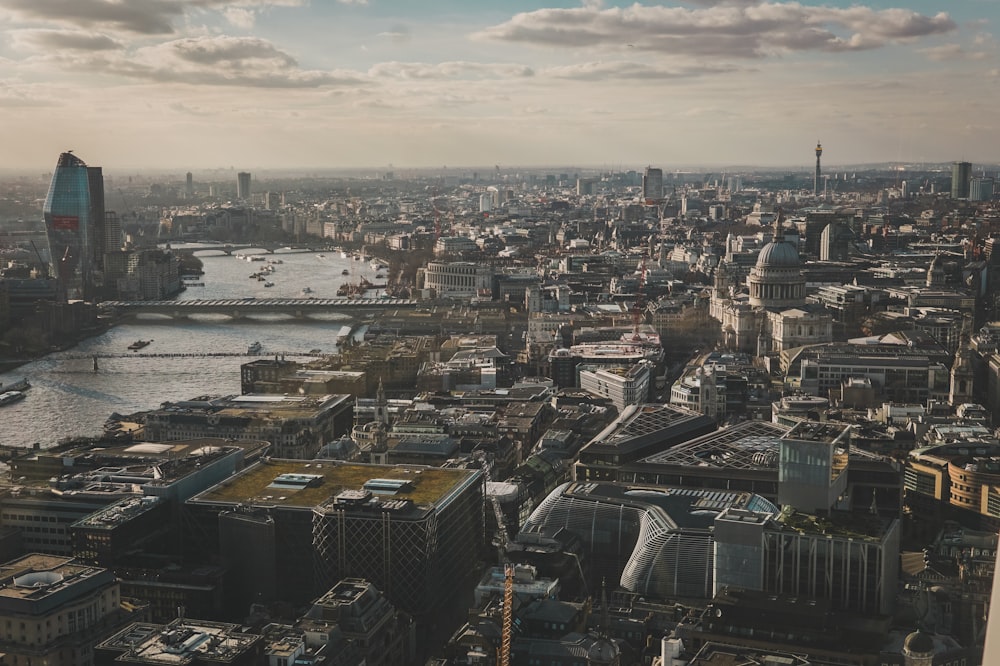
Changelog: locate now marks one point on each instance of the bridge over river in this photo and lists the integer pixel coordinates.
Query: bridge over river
(241, 308)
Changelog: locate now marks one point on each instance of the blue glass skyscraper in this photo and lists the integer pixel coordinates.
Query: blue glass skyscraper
(68, 225)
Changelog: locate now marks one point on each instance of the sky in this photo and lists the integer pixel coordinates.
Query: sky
(396, 84)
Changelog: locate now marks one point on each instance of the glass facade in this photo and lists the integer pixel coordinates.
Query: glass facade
(67, 214)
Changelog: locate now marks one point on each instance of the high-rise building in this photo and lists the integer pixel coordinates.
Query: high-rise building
(243, 185)
(189, 185)
(68, 213)
(961, 174)
(95, 182)
(981, 189)
(652, 184)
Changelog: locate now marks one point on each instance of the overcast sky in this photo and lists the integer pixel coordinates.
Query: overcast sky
(410, 83)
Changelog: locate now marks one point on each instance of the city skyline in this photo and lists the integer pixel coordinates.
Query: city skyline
(366, 83)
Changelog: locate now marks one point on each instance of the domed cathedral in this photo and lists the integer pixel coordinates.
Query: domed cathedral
(936, 275)
(773, 316)
(776, 280)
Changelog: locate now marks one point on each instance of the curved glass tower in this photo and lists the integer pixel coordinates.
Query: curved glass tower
(67, 224)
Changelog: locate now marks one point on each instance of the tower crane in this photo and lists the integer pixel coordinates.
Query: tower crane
(507, 624)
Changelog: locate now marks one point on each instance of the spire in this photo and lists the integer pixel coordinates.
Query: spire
(779, 224)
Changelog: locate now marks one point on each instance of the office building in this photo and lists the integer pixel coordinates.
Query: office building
(183, 641)
(961, 174)
(981, 189)
(296, 425)
(68, 225)
(243, 185)
(622, 385)
(812, 466)
(638, 432)
(668, 543)
(189, 185)
(458, 279)
(364, 616)
(652, 185)
(409, 528)
(54, 610)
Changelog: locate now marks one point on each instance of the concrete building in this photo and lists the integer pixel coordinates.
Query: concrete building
(638, 432)
(183, 641)
(961, 174)
(665, 543)
(409, 527)
(54, 610)
(363, 616)
(623, 386)
(243, 185)
(457, 279)
(296, 426)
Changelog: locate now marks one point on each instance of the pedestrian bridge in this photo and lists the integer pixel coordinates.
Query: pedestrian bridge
(239, 308)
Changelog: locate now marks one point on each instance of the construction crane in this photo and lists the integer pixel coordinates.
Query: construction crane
(639, 307)
(42, 264)
(500, 541)
(507, 625)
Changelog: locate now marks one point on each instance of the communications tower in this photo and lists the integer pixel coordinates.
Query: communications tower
(819, 152)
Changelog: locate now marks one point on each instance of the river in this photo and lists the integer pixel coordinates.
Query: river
(69, 398)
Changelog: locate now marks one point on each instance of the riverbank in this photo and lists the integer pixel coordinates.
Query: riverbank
(25, 356)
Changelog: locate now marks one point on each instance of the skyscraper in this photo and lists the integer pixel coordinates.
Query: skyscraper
(961, 174)
(189, 185)
(69, 226)
(652, 185)
(243, 185)
(96, 234)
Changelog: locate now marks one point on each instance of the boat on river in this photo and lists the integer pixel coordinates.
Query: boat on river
(10, 396)
(139, 344)
(21, 385)
(254, 348)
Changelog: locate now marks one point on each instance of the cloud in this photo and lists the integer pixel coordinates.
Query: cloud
(240, 17)
(145, 17)
(597, 71)
(728, 29)
(215, 60)
(46, 40)
(946, 52)
(448, 70)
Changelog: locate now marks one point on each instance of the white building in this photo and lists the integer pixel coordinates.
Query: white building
(623, 386)
(460, 279)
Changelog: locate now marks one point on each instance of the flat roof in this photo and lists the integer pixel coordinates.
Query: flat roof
(429, 485)
(812, 431)
(646, 424)
(746, 445)
(180, 642)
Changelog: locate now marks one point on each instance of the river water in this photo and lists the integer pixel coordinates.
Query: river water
(68, 397)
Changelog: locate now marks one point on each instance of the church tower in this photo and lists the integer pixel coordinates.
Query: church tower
(381, 405)
(962, 374)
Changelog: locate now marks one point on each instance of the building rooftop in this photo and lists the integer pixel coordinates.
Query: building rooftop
(837, 523)
(260, 484)
(644, 425)
(120, 512)
(812, 431)
(255, 405)
(746, 445)
(43, 582)
(180, 642)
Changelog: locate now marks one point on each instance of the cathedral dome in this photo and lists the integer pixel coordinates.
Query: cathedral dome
(778, 254)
